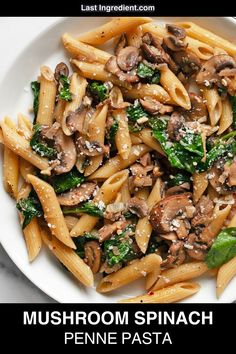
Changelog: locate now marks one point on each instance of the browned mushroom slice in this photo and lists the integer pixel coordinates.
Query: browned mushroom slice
(175, 125)
(195, 249)
(198, 107)
(176, 255)
(228, 80)
(174, 44)
(75, 120)
(217, 180)
(107, 230)
(138, 207)
(178, 189)
(187, 61)
(122, 43)
(209, 72)
(93, 254)
(66, 151)
(203, 212)
(77, 195)
(146, 160)
(164, 212)
(155, 107)
(112, 67)
(61, 69)
(89, 148)
(127, 58)
(176, 31)
(171, 236)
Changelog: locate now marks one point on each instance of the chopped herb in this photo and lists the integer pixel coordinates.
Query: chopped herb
(29, 207)
(64, 182)
(39, 146)
(80, 242)
(118, 249)
(99, 90)
(146, 72)
(35, 86)
(64, 92)
(233, 103)
(223, 248)
(86, 208)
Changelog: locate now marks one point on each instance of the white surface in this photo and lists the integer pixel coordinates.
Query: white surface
(46, 272)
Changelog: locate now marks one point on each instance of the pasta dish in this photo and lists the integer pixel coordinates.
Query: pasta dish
(126, 168)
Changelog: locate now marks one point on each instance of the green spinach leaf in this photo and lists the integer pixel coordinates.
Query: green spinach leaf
(40, 147)
(64, 93)
(64, 182)
(99, 90)
(80, 242)
(146, 72)
(35, 86)
(29, 207)
(87, 208)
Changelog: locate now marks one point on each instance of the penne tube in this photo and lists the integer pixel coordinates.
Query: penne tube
(174, 87)
(135, 139)
(143, 228)
(150, 90)
(116, 163)
(52, 210)
(125, 193)
(167, 295)
(20, 146)
(200, 183)
(26, 168)
(47, 97)
(135, 270)
(181, 273)
(68, 258)
(147, 138)
(1, 136)
(25, 127)
(201, 49)
(226, 272)
(80, 49)
(213, 103)
(105, 195)
(94, 71)
(112, 29)
(134, 37)
(59, 110)
(142, 193)
(208, 37)
(10, 172)
(96, 132)
(226, 118)
(122, 138)
(78, 86)
(71, 221)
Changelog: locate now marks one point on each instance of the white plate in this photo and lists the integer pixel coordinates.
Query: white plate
(46, 272)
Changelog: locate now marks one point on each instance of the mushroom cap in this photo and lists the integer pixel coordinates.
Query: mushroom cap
(176, 31)
(187, 61)
(173, 43)
(77, 195)
(61, 69)
(168, 209)
(67, 152)
(93, 255)
(127, 58)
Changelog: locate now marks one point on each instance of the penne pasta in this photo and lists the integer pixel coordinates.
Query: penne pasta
(116, 164)
(97, 72)
(1, 136)
(143, 90)
(47, 96)
(79, 49)
(135, 139)
(21, 147)
(25, 127)
(134, 37)
(59, 110)
(147, 138)
(225, 274)
(167, 295)
(200, 183)
(174, 88)
(125, 193)
(195, 31)
(105, 195)
(52, 211)
(181, 273)
(122, 138)
(135, 270)
(213, 103)
(226, 118)
(68, 258)
(26, 168)
(112, 29)
(10, 172)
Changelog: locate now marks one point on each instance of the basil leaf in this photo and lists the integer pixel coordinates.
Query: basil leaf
(223, 249)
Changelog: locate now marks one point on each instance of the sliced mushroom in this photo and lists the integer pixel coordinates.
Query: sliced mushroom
(195, 249)
(203, 213)
(77, 195)
(75, 120)
(198, 107)
(155, 107)
(209, 72)
(228, 80)
(138, 207)
(188, 62)
(175, 126)
(145, 160)
(122, 43)
(174, 44)
(178, 189)
(61, 69)
(112, 67)
(164, 212)
(231, 172)
(176, 255)
(215, 180)
(107, 230)
(176, 31)
(64, 145)
(89, 148)
(127, 58)
(93, 255)
(171, 236)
